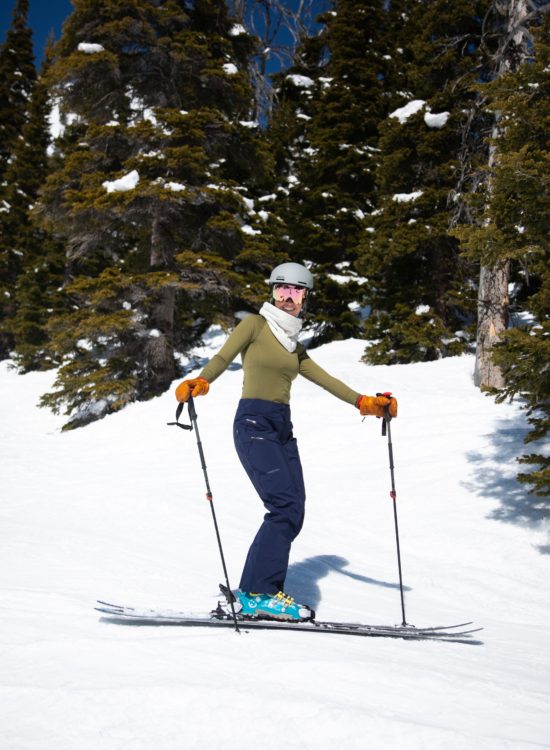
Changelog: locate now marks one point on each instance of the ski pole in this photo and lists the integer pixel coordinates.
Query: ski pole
(386, 428)
(209, 497)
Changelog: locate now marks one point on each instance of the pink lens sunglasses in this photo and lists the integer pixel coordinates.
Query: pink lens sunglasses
(284, 291)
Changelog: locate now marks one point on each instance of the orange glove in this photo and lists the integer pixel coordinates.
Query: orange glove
(193, 387)
(376, 405)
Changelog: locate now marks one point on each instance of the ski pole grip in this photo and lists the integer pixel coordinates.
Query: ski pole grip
(387, 416)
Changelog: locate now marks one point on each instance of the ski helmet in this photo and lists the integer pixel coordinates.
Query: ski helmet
(291, 273)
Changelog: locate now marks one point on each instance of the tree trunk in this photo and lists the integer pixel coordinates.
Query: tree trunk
(160, 348)
(493, 280)
(492, 320)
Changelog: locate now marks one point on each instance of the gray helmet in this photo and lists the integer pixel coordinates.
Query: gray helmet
(291, 273)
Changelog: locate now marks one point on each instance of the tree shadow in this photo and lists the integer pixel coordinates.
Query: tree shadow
(494, 476)
(303, 577)
(198, 363)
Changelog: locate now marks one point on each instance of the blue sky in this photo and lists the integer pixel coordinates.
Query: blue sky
(44, 16)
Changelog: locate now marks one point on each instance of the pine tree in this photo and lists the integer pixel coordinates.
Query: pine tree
(153, 195)
(326, 134)
(33, 259)
(420, 288)
(510, 22)
(515, 230)
(17, 78)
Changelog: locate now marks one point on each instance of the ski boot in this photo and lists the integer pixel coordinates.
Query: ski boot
(272, 607)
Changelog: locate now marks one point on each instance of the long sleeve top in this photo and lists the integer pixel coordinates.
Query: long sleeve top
(269, 368)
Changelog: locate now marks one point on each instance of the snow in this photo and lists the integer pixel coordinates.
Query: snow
(123, 184)
(237, 29)
(90, 48)
(433, 120)
(407, 197)
(342, 279)
(247, 229)
(148, 113)
(54, 118)
(301, 81)
(176, 187)
(521, 319)
(410, 109)
(230, 68)
(117, 511)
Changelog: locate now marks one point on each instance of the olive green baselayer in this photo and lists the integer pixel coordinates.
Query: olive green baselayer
(269, 368)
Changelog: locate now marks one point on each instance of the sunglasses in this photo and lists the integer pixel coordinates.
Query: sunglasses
(284, 291)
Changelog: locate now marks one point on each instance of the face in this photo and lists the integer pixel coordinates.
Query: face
(289, 298)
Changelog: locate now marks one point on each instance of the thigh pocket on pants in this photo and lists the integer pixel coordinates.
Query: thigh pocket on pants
(264, 459)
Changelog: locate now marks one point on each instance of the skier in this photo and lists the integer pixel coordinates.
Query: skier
(267, 449)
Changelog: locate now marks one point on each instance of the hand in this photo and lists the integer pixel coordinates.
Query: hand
(193, 387)
(376, 405)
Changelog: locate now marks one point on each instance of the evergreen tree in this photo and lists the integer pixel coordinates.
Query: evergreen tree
(326, 135)
(510, 22)
(515, 230)
(33, 261)
(17, 78)
(154, 194)
(420, 289)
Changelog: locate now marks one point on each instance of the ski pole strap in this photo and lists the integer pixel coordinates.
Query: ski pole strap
(177, 423)
(192, 410)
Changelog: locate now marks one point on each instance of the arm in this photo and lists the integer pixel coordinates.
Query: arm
(241, 337)
(312, 371)
(367, 405)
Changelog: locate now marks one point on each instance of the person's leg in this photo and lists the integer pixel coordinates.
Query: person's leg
(270, 457)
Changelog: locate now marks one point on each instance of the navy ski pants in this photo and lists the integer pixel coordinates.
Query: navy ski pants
(268, 451)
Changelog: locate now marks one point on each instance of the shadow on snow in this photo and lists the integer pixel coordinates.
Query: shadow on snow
(303, 577)
(494, 476)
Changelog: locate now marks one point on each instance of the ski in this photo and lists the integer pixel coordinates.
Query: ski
(220, 618)
(230, 596)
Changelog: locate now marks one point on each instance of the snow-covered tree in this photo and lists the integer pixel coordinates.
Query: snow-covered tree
(512, 239)
(325, 131)
(158, 165)
(420, 288)
(17, 78)
(510, 23)
(17, 81)
(35, 260)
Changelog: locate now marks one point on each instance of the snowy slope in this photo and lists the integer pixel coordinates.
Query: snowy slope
(117, 511)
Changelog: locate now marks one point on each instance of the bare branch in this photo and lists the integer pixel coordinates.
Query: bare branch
(280, 30)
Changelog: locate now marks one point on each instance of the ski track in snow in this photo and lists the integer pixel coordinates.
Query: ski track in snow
(117, 511)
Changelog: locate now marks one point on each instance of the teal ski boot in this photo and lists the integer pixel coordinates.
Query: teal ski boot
(273, 607)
